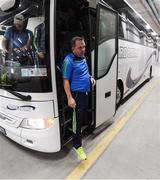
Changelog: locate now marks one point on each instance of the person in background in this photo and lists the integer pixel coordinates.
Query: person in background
(77, 86)
(17, 39)
(39, 42)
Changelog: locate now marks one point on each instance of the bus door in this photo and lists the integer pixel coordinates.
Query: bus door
(105, 63)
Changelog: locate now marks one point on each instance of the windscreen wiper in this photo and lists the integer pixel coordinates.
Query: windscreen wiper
(8, 88)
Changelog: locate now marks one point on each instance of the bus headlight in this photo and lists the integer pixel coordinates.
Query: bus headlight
(40, 123)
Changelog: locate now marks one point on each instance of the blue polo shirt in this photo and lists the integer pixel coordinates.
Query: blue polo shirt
(76, 71)
(17, 39)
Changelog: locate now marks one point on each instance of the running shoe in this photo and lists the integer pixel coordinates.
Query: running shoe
(81, 154)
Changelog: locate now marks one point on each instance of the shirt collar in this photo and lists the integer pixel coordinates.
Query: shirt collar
(76, 58)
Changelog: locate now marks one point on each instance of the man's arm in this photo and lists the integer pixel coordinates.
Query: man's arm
(71, 101)
(29, 42)
(6, 39)
(28, 45)
(5, 45)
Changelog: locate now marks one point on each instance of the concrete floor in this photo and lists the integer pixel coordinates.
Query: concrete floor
(134, 153)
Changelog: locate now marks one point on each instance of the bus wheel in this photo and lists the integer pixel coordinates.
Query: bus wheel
(119, 93)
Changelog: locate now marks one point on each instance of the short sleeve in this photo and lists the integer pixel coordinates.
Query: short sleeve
(8, 33)
(66, 69)
(30, 34)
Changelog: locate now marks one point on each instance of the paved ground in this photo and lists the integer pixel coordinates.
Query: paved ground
(135, 152)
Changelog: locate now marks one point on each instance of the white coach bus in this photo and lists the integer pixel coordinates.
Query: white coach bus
(33, 105)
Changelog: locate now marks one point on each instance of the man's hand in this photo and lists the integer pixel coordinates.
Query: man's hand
(17, 50)
(4, 51)
(24, 48)
(71, 103)
(41, 55)
(93, 81)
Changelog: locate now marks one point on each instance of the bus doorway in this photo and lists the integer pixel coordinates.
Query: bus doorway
(72, 19)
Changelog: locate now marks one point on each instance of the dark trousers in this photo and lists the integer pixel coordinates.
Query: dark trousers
(81, 107)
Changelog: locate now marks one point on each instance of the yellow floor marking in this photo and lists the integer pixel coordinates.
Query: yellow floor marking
(84, 166)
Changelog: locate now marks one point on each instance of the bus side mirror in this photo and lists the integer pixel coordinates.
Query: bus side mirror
(8, 5)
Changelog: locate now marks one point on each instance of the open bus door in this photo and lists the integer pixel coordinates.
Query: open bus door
(105, 63)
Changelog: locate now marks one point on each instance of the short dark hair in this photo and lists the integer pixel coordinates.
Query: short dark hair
(76, 38)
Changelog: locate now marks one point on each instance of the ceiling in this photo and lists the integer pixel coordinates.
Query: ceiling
(149, 10)
(157, 8)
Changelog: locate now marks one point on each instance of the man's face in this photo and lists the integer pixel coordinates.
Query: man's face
(19, 27)
(79, 48)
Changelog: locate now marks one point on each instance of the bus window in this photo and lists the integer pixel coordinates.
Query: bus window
(121, 33)
(92, 24)
(70, 22)
(107, 31)
(23, 65)
(133, 33)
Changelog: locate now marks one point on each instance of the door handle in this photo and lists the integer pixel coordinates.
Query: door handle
(107, 94)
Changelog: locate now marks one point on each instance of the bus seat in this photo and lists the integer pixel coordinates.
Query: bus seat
(33, 22)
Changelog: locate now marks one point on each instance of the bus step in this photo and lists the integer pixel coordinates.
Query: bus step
(66, 122)
(83, 128)
(102, 127)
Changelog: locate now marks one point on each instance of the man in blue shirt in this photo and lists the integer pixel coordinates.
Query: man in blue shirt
(17, 39)
(77, 85)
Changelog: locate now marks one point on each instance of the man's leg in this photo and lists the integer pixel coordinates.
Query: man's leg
(81, 104)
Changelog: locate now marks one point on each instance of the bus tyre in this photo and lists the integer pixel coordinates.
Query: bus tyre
(119, 93)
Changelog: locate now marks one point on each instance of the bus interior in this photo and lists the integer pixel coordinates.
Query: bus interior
(72, 19)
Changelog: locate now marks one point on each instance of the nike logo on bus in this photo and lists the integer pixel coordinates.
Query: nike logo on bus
(131, 83)
(21, 108)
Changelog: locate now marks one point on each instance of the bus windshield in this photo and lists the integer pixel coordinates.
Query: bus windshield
(24, 47)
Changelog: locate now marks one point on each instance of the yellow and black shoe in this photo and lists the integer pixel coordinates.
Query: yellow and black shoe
(81, 154)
